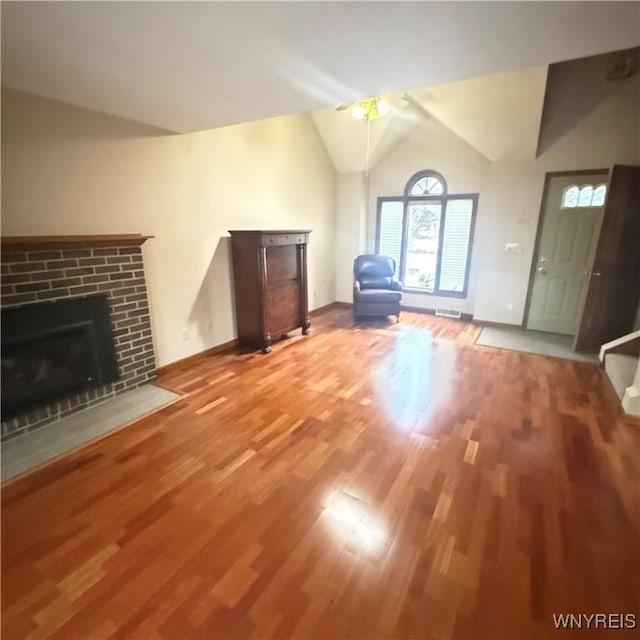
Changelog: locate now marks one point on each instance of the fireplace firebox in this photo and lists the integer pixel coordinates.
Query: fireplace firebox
(54, 349)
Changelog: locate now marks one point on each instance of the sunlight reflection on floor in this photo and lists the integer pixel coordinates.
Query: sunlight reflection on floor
(416, 378)
(353, 523)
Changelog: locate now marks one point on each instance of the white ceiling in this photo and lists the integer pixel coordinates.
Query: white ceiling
(199, 65)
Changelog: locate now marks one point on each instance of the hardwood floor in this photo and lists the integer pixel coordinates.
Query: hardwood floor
(378, 481)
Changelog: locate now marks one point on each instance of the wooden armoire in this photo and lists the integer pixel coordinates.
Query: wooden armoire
(270, 279)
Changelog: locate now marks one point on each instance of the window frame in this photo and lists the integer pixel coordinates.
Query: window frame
(442, 199)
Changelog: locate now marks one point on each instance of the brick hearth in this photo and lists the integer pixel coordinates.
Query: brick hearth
(36, 275)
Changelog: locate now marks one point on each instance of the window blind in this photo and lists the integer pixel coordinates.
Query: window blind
(390, 229)
(455, 244)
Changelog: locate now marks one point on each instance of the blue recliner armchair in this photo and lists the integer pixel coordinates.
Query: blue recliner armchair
(375, 290)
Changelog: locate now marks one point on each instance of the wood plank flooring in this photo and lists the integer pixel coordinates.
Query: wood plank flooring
(370, 481)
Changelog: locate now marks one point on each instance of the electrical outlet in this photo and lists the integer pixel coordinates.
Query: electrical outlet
(186, 334)
(510, 306)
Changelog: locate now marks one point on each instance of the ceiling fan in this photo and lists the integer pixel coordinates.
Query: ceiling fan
(375, 107)
(370, 109)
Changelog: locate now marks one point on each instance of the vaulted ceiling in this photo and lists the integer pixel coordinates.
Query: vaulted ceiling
(499, 115)
(186, 66)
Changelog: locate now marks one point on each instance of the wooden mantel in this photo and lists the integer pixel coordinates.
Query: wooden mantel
(22, 243)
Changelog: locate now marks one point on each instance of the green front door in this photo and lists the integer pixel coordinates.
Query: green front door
(564, 251)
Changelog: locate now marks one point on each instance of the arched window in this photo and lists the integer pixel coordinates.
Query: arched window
(426, 183)
(599, 194)
(585, 196)
(429, 233)
(570, 197)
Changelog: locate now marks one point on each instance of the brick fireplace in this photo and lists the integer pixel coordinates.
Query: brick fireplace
(38, 270)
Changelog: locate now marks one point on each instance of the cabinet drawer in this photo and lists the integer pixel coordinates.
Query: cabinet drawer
(283, 238)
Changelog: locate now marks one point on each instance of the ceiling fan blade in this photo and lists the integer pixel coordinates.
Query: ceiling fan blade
(410, 100)
(344, 107)
(400, 102)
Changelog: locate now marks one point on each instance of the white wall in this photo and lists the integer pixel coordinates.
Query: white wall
(67, 170)
(574, 137)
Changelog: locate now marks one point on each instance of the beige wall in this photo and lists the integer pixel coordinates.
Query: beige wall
(605, 133)
(68, 170)
(351, 225)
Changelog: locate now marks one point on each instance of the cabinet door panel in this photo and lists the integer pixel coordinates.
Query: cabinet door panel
(283, 307)
(282, 264)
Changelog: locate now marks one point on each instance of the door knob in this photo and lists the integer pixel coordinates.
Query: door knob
(596, 274)
(542, 270)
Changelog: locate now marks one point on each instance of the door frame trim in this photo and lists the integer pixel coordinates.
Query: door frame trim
(541, 216)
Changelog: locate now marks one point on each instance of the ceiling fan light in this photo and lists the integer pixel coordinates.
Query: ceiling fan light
(358, 111)
(370, 109)
(383, 107)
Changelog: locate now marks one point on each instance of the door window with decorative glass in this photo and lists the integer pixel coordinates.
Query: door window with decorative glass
(586, 195)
